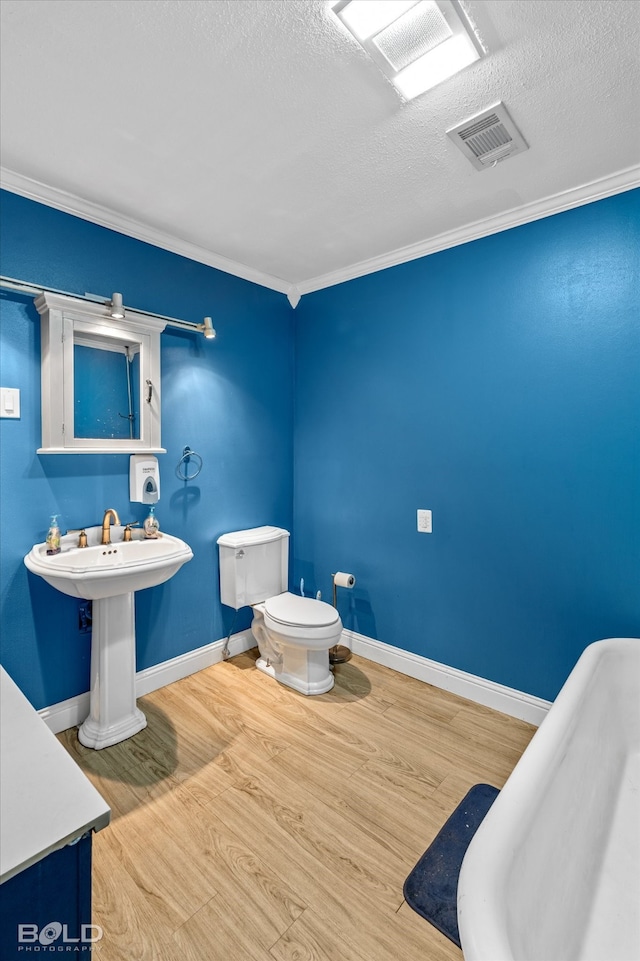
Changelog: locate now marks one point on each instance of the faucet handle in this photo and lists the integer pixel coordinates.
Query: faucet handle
(127, 530)
(82, 539)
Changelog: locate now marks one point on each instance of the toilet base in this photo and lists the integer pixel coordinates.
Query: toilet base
(300, 666)
(309, 674)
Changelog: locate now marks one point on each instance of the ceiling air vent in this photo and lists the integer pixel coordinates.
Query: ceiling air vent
(489, 137)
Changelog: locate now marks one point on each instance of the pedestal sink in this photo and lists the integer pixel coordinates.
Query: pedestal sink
(109, 575)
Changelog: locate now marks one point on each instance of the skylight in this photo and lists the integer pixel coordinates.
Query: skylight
(416, 43)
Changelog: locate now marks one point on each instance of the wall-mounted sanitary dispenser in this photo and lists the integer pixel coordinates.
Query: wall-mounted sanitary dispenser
(144, 479)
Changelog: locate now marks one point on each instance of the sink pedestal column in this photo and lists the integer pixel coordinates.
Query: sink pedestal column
(113, 714)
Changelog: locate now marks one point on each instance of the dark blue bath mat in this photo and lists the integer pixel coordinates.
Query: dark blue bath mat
(432, 887)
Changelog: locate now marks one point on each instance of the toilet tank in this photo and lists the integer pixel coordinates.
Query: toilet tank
(254, 565)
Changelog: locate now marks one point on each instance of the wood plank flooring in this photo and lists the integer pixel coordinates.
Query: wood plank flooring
(250, 823)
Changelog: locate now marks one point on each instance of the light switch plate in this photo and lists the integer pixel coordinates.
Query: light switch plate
(424, 522)
(9, 402)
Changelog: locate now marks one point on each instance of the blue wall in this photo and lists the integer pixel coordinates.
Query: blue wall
(498, 384)
(230, 400)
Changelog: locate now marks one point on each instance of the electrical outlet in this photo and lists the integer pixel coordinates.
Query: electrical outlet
(424, 522)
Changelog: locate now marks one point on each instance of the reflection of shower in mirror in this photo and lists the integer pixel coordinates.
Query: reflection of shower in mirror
(130, 416)
(106, 389)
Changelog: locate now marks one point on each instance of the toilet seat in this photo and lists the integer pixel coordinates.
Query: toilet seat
(291, 610)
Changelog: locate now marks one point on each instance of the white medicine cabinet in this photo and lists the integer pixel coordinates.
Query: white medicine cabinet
(100, 378)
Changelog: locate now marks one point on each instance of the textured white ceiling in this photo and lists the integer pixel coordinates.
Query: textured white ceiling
(256, 135)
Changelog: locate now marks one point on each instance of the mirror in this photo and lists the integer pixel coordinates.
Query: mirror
(100, 378)
(106, 389)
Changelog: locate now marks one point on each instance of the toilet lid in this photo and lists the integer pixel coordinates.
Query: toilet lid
(299, 611)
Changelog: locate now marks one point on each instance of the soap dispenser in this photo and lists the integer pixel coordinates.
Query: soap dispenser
(144, 479)
(53, 536)
(151, 525)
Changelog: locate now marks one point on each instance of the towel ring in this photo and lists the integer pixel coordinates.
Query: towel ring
(187, 453)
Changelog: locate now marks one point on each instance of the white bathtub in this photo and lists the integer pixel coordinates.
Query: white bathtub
(553, 873)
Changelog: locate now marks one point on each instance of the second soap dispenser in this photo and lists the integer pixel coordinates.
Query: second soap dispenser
(151, 525)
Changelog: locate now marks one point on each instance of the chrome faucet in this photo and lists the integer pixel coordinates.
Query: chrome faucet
(109, 515)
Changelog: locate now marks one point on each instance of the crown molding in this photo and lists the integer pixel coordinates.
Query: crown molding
(293, 296)
(617, 183)
(71, 204)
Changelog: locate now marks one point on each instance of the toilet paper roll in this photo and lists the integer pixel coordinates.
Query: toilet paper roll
(341, 579)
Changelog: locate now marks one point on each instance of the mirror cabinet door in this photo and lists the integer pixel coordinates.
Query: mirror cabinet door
(100, 378)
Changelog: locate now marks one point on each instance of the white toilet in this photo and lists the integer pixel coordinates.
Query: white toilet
(294, 634)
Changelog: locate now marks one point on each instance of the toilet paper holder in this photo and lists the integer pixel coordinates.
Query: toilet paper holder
(340, 654)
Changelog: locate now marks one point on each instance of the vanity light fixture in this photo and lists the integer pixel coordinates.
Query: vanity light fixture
(117, 307)
(114, 306)
(416, 43)
(206, 327)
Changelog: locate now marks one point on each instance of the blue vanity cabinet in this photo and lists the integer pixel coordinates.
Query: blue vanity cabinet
(47, 907)
(48, 813)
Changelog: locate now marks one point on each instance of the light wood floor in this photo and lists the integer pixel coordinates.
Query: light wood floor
(250, 822)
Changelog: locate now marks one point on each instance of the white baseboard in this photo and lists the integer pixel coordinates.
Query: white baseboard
(72, 712)
(507, 700)
(65, 714)
(185, 664)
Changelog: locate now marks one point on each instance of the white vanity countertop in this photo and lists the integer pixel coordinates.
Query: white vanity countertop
(45, 799)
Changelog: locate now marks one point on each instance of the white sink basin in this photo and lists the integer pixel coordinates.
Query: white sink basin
(109, 575)
(99, 571)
